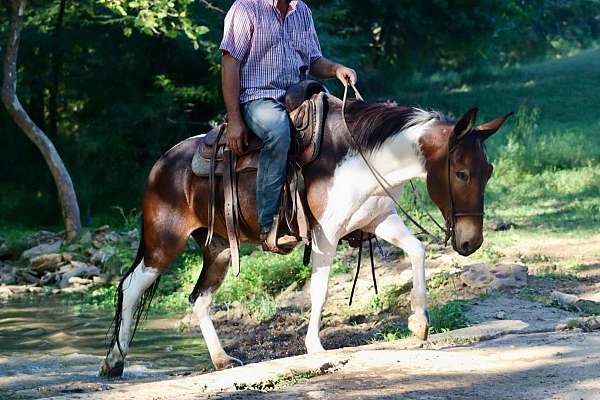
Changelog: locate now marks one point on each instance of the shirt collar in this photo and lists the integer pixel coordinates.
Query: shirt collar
(293, 3)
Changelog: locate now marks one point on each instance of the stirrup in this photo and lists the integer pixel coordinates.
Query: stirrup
(279, 245)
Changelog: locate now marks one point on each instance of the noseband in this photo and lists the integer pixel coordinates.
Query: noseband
(452, 213)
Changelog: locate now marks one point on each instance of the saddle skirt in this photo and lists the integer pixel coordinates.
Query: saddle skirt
(306, 122)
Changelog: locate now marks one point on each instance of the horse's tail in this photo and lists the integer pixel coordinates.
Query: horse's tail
(143, 305)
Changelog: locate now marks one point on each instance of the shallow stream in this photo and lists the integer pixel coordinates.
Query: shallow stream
(48, 348)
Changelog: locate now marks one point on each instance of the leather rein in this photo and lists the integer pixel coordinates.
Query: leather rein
(385, 185)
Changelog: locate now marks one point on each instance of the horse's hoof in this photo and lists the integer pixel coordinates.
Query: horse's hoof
(419, 326)
(225, 361)
(112, 372)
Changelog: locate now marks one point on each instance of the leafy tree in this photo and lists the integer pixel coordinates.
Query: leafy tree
(62, 179)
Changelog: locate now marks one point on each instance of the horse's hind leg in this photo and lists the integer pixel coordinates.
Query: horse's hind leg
(214, 268)
(159, 246)
(131, 289)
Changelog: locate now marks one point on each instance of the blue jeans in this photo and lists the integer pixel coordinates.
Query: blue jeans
(268, 119)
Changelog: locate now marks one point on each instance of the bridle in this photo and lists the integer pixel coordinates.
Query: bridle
(452, 214)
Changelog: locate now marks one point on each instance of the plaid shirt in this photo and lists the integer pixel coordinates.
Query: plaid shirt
(270, 50)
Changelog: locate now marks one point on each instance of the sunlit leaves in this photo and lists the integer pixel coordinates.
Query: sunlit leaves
(157, 17)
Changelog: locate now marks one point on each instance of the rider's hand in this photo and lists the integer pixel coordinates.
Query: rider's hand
(346, 75)
(236, 136)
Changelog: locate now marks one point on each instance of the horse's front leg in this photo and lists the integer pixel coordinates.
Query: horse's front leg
(391, 228)
(323, 252)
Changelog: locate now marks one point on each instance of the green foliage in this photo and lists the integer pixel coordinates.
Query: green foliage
(376, 302)
(280, 382)
(262, 277)
(448, 317)
(154, 17)
(340, 267)
(391, 333)
(124, 100)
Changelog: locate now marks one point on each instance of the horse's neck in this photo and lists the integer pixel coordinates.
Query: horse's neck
(399, 158)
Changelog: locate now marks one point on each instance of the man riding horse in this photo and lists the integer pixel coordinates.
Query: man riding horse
(265, 45)
(369, 150)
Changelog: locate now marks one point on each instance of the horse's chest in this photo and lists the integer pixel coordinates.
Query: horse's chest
(352, 198)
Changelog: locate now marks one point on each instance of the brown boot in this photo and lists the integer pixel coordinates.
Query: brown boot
(279, 245)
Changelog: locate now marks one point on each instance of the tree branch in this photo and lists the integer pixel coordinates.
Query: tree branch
(62, 179)
(211, 6)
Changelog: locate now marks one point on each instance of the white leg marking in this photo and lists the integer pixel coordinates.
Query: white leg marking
(133, 287)
(391, 228)
(201, 312)
(322, 255)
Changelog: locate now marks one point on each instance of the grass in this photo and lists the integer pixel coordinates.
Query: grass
(280, 382)
(546, 158)
(448, 317)
(546, 181)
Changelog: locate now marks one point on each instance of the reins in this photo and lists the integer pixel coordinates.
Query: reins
(385, 186)
(380, 178)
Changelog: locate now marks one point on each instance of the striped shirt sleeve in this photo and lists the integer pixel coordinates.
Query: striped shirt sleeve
(314, 48)
(237, 33)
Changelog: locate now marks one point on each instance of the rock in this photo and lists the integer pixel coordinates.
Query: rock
(80, 269)
(5, 292)
(500, 315)
(27, 276)
(46, 262)
(75, 281)
(34, 289)
(74, 289)
(5, 251)
(483, 276)
(42, 237)
(564, 299)
(8, 274)
(568, 301)
(102, 255)
(41, 249)
(591, 324)
(86, 238)
(99, 280)
(500, 225)
(103, 228)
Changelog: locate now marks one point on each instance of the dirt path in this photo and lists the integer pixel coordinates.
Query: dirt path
(517, 348)
(547, 365)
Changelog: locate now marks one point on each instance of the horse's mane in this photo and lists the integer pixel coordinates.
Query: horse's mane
(372, 124)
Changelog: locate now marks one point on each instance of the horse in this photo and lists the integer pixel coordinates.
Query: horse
(343, 195)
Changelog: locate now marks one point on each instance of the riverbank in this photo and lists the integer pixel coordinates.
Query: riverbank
(557, 365)
(515, 277)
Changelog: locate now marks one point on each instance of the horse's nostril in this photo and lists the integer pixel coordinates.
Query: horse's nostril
(466, 246)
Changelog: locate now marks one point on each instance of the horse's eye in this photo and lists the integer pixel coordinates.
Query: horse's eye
(462, 176)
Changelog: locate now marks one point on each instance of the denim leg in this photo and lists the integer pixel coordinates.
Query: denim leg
(268, 119)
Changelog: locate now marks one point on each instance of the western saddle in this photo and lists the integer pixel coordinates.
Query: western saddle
(307, 107)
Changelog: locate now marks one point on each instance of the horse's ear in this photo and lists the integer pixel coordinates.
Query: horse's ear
(489, 128)
(464, 124)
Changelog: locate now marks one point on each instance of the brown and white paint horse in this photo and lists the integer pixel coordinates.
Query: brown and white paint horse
(401, 143)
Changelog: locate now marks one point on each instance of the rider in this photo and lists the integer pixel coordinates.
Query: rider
(265, 43)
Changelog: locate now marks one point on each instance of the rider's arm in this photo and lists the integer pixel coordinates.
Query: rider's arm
(230, 76)
(323, 68)
(237, 36)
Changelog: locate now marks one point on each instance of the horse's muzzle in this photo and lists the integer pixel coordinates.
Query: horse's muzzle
(468, 236)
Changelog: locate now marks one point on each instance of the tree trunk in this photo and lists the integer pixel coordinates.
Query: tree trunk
(64, 185)
(57, 61)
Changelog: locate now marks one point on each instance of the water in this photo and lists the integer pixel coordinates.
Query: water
(49, 348)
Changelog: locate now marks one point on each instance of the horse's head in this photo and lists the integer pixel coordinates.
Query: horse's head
(457, 175)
